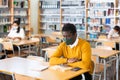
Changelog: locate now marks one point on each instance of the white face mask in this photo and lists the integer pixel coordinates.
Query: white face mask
(14, 27)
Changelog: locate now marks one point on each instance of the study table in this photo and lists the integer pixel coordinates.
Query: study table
(31, 68)
(22, 42)
(25, 42)
(101, 53)
(110, 41)
(105, 54)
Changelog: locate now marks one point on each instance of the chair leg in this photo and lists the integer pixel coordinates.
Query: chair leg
(83, 77)
(100, 76)
(5, 53)
(13, 77)
(13, 52)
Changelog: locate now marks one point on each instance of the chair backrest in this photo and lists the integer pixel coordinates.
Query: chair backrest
(102, 37)
(110, 44)
(35, 38)
(50, 40)
(106, 43)
(104, 47)
(7, 76)
(8, 45)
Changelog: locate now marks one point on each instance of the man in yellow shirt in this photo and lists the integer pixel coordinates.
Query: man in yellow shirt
(73, 51)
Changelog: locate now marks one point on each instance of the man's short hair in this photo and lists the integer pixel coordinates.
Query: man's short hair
(69, 28)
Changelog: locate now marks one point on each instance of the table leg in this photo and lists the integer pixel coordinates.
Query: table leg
(18, 50)
(105, 69)
(46, 56)
(117, 66)
(29, 49)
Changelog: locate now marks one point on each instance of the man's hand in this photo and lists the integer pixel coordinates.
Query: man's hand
(72, 60)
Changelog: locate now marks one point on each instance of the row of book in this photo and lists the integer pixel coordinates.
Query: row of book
(49, 11)
(73, 19)
(51, 19)
(20, 4)
(51, 27)
(4, 3)
(51, 4)
(100, 12)
(100, 21)
(73, 11)
(73, 3)
(19, 12)
(101, 5)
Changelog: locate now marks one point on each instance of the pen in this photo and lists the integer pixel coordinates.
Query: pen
(44, 69)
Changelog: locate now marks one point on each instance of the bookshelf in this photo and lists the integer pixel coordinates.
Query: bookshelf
(5, 16)
(11, 10)
(73, 11)
(100, 16)
(91, 17)
(53, 14)
(49, 16)
(117, 13)
(22, 11)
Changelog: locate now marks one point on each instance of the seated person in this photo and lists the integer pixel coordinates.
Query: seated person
(73, 51)
(114, 33)
(16, 32)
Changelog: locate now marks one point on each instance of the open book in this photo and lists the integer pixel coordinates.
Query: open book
(60, 68)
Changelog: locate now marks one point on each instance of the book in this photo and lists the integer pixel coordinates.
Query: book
(60, 68)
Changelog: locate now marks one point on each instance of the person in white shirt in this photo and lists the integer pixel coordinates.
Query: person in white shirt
(16, 32)
(114, 33)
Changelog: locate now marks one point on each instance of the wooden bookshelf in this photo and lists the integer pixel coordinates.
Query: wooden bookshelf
(91, 17)
(53, 14)
(49, 16)
(11, 10)
(73, 11)
(100, 17)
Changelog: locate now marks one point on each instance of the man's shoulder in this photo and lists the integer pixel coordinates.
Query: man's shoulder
(62, 44)
(82, 41)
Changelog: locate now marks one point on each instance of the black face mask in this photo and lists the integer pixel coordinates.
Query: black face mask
(68, 41)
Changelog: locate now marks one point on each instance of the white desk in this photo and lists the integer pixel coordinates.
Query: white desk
(27, 67)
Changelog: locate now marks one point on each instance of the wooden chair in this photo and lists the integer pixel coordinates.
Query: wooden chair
(33, 49)
(105, 43)
(8, 46)
(107, 46)
(98, 68)
(102, 37)
(6, 76)
(47, 40)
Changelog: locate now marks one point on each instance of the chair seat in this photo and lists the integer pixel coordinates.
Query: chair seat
(99, 68)
(2, 56)
(28, 52)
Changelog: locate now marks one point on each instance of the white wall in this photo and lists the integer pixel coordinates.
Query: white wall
(34, 15)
